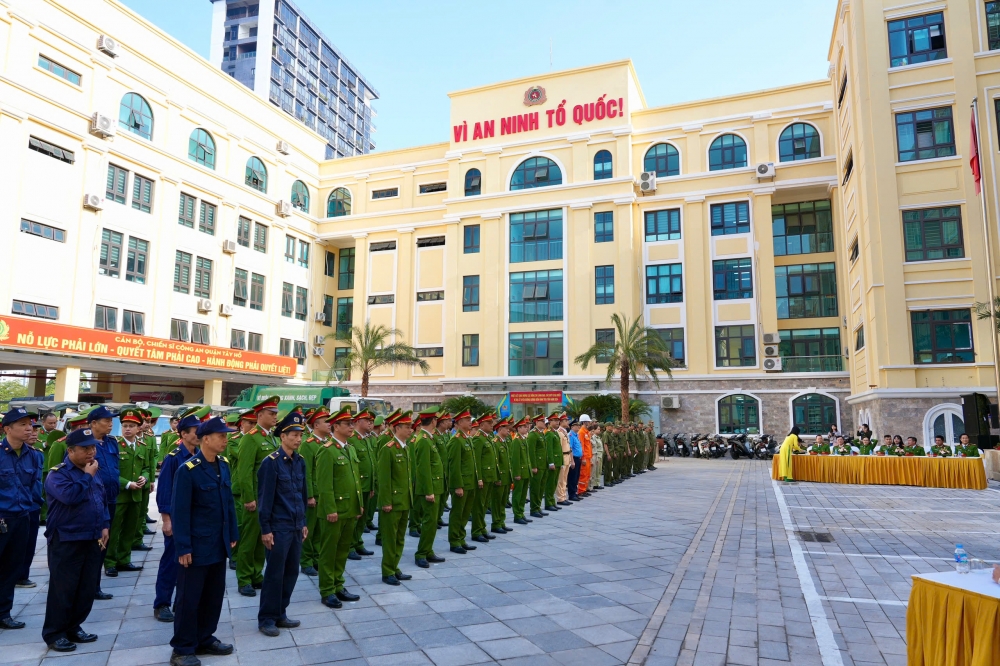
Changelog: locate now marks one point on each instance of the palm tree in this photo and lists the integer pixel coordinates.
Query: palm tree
(637, 351)
(370, 349)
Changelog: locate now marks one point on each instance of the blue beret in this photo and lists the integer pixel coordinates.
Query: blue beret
(188, 422)
(213, 425)
(99, 412)
(81, 437)
(15, 415)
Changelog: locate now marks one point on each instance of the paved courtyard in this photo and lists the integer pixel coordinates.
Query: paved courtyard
(695, 563)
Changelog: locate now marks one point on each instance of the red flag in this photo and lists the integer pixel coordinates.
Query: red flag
(977, 174)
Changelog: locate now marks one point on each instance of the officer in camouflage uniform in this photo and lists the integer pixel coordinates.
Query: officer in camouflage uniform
(256, 445)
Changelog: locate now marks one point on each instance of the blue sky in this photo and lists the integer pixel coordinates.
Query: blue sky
(415, 51)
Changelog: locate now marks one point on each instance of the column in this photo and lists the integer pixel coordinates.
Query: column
(67, 385)
(36, 383)
(213, 392)
(120, 389)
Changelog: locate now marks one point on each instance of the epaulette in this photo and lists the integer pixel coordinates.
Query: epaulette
(59, 466)
(173, 453)
(328, 444)
(274, 455)
(194, 462)
(254, 430)
(61, 439)
(389, 445)
(224, 459)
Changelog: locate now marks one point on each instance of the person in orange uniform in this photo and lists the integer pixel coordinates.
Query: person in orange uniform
(588, 453)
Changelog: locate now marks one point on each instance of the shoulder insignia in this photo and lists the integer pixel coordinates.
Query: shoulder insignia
(327, 445)
(194, 462)
(274, 455)
(173, 453)
(224, 459)
(59, 466)
(389, 445)
(61, 439)
(255, 430)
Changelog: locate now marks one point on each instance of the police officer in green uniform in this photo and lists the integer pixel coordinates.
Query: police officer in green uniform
(316, 420)
(135, 465)
(362, 443)
(486, 462)
(395, 496)
(554, 457)
(441, 438)
(256, 445)
(148, 440)
(505, 476)
(538, 450)
(520, 466)
(242, 422)
(428, 488)
(463, 481)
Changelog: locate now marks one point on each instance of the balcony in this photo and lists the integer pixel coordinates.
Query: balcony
(812, 363)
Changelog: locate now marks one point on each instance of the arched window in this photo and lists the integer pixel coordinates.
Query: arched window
(727, 152)
(339, 203)
(256, 174)
(944, 420)
(135, 115)
(602, 165)
(663, 159)
(535, 172)
(300, 196)
(814, 413)
(798, 141)
(201, 148)
(739, 413)
(473, 183)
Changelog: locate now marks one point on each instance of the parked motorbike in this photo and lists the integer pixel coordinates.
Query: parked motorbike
(682, 447)
(765, 447)
(739, 446)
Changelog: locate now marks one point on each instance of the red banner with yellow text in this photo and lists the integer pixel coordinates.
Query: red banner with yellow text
(536, 397)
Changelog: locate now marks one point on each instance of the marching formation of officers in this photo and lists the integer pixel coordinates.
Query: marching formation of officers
(273, 495)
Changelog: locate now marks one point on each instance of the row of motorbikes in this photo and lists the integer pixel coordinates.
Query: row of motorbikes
(698, 445)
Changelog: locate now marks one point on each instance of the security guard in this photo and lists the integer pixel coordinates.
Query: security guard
(135, 472)
(35, 447)
(538, 450)
(505, 476)
(316, 420)
(428, 488)
(362, 442)
(486, 463)
(520, 466)
(77, 533)
(281, 512)
(166, 575)
(256, 445)
(463, 481)
(100, 420)
(340, 505)
(395, 496)
(203, 519)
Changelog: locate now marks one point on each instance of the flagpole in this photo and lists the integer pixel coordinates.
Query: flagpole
(991, 281)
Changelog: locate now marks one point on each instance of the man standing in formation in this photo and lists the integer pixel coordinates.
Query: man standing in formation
(463, 480)
(395, 496)
(136, 465)
(522, 468)
(256, 445)
(100, 420)
(363, 444)
(428, 490)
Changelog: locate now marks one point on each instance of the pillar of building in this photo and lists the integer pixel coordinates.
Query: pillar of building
(120, 389)
(36, 383)
(102, 383)
(213, 392)
(67, 385)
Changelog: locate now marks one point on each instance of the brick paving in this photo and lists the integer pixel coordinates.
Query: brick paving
(687, 565)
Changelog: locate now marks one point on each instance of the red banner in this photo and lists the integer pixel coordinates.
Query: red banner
(536, 397)
(45, 336)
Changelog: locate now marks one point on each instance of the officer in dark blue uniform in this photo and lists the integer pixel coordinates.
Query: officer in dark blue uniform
(166, 575)
(34, 516)
(100, 420)
(281, 510)
(20, 493)
(203, 518)
(77, 533)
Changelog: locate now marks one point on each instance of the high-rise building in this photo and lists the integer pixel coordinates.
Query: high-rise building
(273, 49)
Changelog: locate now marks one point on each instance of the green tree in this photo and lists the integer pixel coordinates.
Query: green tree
(460, 403)
(370, 350)
(984, 311)
(10, 390)
(638, 351)
(607, 407)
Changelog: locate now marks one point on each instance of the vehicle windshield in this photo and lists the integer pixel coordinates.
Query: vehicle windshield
(376, 407)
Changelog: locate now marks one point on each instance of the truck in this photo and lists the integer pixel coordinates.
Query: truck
(312, 395)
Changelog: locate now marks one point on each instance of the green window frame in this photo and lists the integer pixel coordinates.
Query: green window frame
(730, 218)
(470, 350)
(673, 339)
(201, 148)
(135, 115)
(473, 183)
(942, 336)
(470, 239)
(206, 218)
(300, 196)
(728, 151)
(802, 228)
(256, 174)
(111, 253)
(62, 72)
(536, 296)
(933, 233)
(117, 181)
(203, 277)
(135, 260)
(732, 279)
(810, 350)
(739, 413)
(256, 292)
(798, 141)
(287, 299)
(338, 204)
(345, 314)
(604, 285)
(535, 172)
(536, 236)
(926, 134)
(185, 216)
(664, 283)
(917, 39)
(664, 159)
(182, 272)
(993, 25)
(301, 303)
(813, 413)
(602, 165)
(345, 278)
(142, 194)
(240, 287)
(806, 290)
(243, 231)
(604, 227)
(535, 354)
(735, 346)
(470, 293)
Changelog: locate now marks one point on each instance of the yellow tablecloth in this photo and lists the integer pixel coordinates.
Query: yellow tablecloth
(953, 626)
(889, 470)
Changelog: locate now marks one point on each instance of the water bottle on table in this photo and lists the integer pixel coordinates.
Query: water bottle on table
(961, 559)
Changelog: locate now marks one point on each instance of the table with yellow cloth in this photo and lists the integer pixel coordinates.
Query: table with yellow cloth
(888, 470)
(953, 619)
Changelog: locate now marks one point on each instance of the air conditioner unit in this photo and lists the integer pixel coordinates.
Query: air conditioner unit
(229, 247)
(771, 350)
(772, 338)
(670, 402)
(647, 181)
(225, 309)
(319, 340)
(93, 201)
(204, 305)
(107, 45)
(319, 316)
(317, 351)
(284, 208)
(772, 364)
(102, 125)
(284, 148)
(765, 170)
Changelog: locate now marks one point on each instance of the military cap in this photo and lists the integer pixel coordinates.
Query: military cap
(525, 421)
(403, 418)
(153, 412)
(344, 414)
(201, 412)
(249, 415)
(392, 415)
(270, 403)
(429, 412)
(316, 414)
(364, 414)
(77, 419)
(82, 437)
(96, 414)
(292, 421)
(213, 425)
(537, 418)
(444, 416)
(130, 415)
(189, 421)
(464, 414)
(379, 420)
(232, 418)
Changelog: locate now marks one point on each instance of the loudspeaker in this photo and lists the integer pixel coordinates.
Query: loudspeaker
(976, 414)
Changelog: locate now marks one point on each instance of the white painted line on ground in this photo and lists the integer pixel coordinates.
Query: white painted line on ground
(828, 650)
(963, 498)
(834, 508)
(880, 602)
(885, 529)
(890, 557)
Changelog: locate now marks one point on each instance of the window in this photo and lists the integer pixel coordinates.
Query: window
(287, 295)
(383, 299)
(664, 159)
(111, 253)
(240, 288)
(133, 322)
(339, 360)
(179, 330)
(384, 246)
(604, 285)
(664, 284)
(798, 141)
(673, 340)
(203, 278)
(327, 310)
(604, 336)
(855, 252)
(284, 347)
(346, 278)
(602, 165)
(811, 350)
(470, 293)
(256, 174)
(300, 196)
(859, 338)
(471, 239)
(135, 264)
(117, 179)
(201, 148)
(206, 218)
(105, 318)
(536, 236)
(473, 184)
(59, 70)
(730, 218)
(430, 241)
(182, 272)
(843, 90)
(807, 290)
(663, 225)
(813, 413)
(43, 230)
(924, 135)
(52, 150)
(739, 414)
(993, 24)
(735, 346)
(142, 193)
(604, 227)
(387, 193)
(299, 351)
(34, 310)
(848, 167)
(802, 228)
(942, 336)
(470, 350)
(424, 296)
(533, 354)
(727, 152)
(535, 172)
(536, 296)
(260, 237)
(933, 233)
(427, 188)
(237, 339)
(255, 342)
(345, 315)
(135, 115)
(428, 352)
(290, 249)
(917, 39)
(243, 232)
(256, 292)
(185, 217)
(733, 279)
(339, 203)
(330, 265)
(303, 254)
(199, 334)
